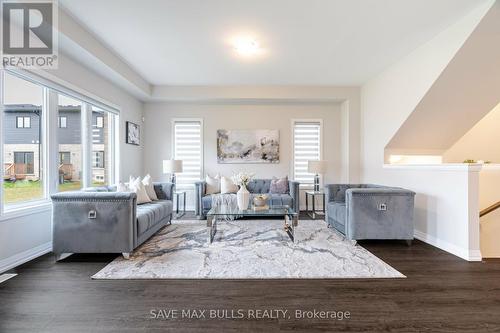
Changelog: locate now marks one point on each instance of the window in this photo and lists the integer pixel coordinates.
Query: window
(102, 146)
(187, 146)
(99, 122)
(69, 143)
(34, 165)
(24, 162)
(23, 122)
(64, 157)
(62, 122)
(22, 151)
(98, 160)
(306, 147)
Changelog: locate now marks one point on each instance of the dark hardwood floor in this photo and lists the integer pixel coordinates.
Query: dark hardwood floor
(441, 293)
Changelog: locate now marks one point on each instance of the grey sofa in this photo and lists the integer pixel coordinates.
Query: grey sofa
(203, 202)
(100, 220)
(365, 211)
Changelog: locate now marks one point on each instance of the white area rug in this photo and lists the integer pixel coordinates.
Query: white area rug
(248, 249)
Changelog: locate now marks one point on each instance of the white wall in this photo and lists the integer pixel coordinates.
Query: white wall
(480, 143)
(158, 137)
(489, 194)
(386, 102)
(21, 238)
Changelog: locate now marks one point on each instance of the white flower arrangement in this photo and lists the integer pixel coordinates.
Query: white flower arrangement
(242, 178)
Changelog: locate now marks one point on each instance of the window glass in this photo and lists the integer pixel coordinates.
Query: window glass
(22, 141)
(102, 122)
(70, 143)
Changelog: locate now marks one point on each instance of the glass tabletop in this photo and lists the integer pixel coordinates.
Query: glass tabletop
(271, 211)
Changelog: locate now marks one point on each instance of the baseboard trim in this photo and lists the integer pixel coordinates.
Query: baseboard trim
(448, 247)
(25, 256)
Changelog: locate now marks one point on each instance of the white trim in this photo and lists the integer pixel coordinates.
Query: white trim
(7, 276)
(1, 141)
(64, 87)
(466, 254)
(115, 150)
(51, 143)
(437, 167)
(34, 208)
(86, 130)
(25, 256)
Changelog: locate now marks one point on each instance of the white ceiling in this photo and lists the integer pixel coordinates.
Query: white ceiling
(305, 42)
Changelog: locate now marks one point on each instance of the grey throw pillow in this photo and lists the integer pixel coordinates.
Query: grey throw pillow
(279, 185)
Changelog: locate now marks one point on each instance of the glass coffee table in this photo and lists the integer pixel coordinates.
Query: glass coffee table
(217, 214)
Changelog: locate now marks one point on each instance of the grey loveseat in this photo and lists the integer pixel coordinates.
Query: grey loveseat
(365, 211)
(203, 202)
(100, 220)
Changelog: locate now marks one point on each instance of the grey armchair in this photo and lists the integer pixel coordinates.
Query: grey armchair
(203, 202)
(365, 211)
(100, 220)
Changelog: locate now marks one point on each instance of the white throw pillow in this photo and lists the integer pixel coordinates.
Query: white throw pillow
(122, 187)
(138, 188)
(213, 184)
(150, 189)
(227, 185)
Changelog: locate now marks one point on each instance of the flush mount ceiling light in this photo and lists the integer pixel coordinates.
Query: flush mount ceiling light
(246, 47)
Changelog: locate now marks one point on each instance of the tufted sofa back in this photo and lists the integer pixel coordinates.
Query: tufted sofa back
(259, 186)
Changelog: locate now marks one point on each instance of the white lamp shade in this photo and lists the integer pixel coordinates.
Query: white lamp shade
(316, 167)
(172, 166)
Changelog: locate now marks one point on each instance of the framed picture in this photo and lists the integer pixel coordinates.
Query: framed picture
(248, 146)
(133, 135)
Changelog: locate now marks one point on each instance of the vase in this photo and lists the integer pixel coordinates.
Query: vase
(243, 197)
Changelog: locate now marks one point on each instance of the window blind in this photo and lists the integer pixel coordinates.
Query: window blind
(188, 148)
(306, 147)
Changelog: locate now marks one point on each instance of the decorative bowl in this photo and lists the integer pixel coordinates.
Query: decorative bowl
(260, 200)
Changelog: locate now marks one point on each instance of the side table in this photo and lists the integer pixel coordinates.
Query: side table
(312, 195)
(178, 195)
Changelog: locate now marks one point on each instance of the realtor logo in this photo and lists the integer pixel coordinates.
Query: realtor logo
(28, 34)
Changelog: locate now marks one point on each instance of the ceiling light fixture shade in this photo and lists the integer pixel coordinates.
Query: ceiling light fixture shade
(246, 46)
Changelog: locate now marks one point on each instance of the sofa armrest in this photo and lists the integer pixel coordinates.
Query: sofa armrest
(377, 191)
(164, 191)
(199, 193)
(379, 213)
(293, 187)
(94, 222)
(94, 196)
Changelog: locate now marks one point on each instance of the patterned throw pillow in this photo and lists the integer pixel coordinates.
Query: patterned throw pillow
(279, 185)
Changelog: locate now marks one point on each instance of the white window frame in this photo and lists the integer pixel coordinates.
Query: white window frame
(292, 145)
(52, 86)
(202, 142)
(60, 121)
(99, 122)
(24, 120)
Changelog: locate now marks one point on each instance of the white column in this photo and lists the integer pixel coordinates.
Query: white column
(1, 140)
(50, 141)
(86, 145)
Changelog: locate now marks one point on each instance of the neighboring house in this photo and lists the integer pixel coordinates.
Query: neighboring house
(22, 143)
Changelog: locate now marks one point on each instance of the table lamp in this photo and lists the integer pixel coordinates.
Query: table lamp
(317, 168)
(172, 167)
